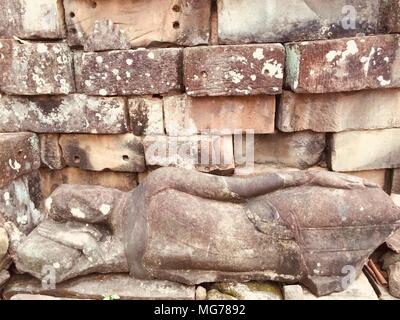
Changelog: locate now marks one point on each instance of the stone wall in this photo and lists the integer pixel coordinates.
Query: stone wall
(100, 92)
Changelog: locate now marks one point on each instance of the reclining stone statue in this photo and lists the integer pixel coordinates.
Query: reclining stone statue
(309, 227)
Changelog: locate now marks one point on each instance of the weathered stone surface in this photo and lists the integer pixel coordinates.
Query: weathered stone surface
(20, 202)
(390, 12)
(201, 293)
(19, 155)
(335, 112)
(130, 72)
(396, 181)
(97, 286)
(214, 294)
(52, 179)
(3, 243)
(35, 68)
(123, 152)
(233, 70)
(185, 115)
(293, 292)
(394, 242)
(4, 276)
(50, 151)
(344, 64)
(123, 24)
(360, 289)
(379, 177)
(206, 153)
(269, 21)
(75, 113)
(32, 19)
(364, 150)
(37, 297)
(251, 290)
(146, 116)
(394, 280)
(298, 150)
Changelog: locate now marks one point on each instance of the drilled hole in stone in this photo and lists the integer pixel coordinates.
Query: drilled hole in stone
(204, 74)
(74, 31)
(72, 14)
(176, 25)
(77, 159)
(94, 4)
(176, 8)
(20, 152)
(125, 157)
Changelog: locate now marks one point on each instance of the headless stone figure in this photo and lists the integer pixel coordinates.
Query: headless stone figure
(313, 227)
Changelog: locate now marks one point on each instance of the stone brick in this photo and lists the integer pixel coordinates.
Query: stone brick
(50, 151)
(75, 113)
(298, 150)
(51, 179)
(396, 181)
(344, 64)
(146, 116)
(390, 13)
(185, 115)
(380, 177)
(38, 19)
(205, 153)
(234, 70)
(121, 153)
(35, 68)
(335, 112)
(121, 24)
(270, 21)
(131, 72)
(365, 150)
(19, 155)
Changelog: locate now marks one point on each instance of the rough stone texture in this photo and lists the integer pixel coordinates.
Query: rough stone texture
(50, 151)
(380, 177)
(20, 202)
(251, 290)
(293, 292)
(74, 113)
(4, 276)
(396, 181)
(269, 21)
(233, 70)
(35, 68)
(37, 297)
(214, 294)
(201, 293)
(335, 112)
(205, 153)
(146, 116)
(19, 155)
(96, 286)
(121, 153)
(52, 179)
(130, 72)
(38, 19)
(394, 280)
(298, 150)
(344, 64)
(185, 115)
(3, 243)
(391, 14)
(123, 24)
(364, 150)
(394, 242)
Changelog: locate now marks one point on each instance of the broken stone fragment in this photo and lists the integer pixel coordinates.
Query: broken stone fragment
(206, 153)
(394, 280)
(201, 293)
(394, 242)
(299, 150)
(39, 19)
(130, 72)
(52, 179)
(146, 116)
(293, 292)
(19, 155)
(3, 243)
(251, 290)
(35, 68)
(4, 277)
(75, 113)
(234, 70)
(50, 151)
(98, 286)
(214, 294)
(335, 112)
(351, 150)
(270, 21)
(343, 65)
(137, 23)
(185, 115)
(122, 153)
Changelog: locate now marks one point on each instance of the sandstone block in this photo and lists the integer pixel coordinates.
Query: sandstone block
(365, 150)
(344, 64)
(130, 72)
(52, 179)
(35, 68)
(19, 155)
(390, 12)
(205, 153)
(293, 292)
(380, 177)
(251, 291)
(39, 19)
(234, 70)
(98, 286)
(146, 116)
(335, 112)
(75, 113)
(396, 181)
(122, 24)
(185, 115)
(299, 150)
(3, 243)
(50, 151)
(270, 21)
(122, 153)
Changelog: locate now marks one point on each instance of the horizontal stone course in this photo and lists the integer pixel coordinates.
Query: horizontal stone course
(146, 116)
